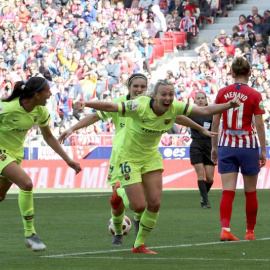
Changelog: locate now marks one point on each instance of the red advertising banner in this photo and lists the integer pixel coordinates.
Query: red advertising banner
(177, 174)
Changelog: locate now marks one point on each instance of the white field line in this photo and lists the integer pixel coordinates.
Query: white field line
(158, 247)
(57, 196)
(154, 258)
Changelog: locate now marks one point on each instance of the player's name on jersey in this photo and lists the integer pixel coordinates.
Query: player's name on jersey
(235, 94)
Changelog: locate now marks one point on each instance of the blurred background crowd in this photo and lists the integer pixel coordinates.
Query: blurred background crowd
(88, 49)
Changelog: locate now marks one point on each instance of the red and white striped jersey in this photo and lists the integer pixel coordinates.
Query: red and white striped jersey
(189, 25)
(135, 17)
(238, 127)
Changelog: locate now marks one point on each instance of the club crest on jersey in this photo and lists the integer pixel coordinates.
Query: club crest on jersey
(132, 105)
(35, 119)
(3, 157)
(126, 176)
(167, 121)
(261, 105)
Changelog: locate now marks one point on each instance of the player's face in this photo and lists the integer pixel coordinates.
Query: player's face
(137, 87)
(200, 100)
(43, 95)
(163, 99)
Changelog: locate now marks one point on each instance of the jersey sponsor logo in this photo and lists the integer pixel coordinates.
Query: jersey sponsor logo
(20, 130)
(167, 121)
(153, 131)
(35, 119)
(236, 132)
(132, 105)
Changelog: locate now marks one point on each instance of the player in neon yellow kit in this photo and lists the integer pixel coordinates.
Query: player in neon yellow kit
(18, 113)
(139, 161)
(137, 84)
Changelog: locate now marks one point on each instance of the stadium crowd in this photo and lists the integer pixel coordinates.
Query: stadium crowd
(87, 50)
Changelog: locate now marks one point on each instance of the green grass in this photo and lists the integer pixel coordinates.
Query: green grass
(75, 226)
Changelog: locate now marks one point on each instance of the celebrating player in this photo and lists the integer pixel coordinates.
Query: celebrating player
(18, 113)
(238, 147)
(139, 161)
(137, 85)
(200, 152)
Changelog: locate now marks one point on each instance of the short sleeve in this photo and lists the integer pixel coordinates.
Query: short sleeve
(103, 115)
(183, 108)
(128, 108)
(43, 117)
(259, 106)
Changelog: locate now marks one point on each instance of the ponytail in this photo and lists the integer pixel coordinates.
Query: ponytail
(26, 89)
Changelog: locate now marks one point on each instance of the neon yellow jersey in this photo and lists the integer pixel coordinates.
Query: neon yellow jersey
(142, 135)
(15, 122)
(119, 122)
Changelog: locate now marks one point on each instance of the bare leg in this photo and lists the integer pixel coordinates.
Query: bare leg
(4, 187)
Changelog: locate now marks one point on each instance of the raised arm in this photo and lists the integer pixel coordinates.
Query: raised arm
(215, 109)
(97, 105)
(86, 121)
(185, 121)
(261, 134)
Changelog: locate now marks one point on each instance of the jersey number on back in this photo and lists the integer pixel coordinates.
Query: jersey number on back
(239, 116)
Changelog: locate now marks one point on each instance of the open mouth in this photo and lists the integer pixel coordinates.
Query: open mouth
(166, 105)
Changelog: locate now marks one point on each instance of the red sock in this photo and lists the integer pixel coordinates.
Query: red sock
(225, 208)
(251, 209)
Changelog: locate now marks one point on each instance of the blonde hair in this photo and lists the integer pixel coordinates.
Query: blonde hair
(162, 82)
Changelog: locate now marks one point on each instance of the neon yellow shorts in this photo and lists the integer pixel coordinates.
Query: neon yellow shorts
(130, 172)
(112, 177)
(5, 159)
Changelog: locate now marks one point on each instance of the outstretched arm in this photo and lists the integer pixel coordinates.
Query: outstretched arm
(86, 121)
(215, 109)
(55, 145)
(97, 105)
(185, 121)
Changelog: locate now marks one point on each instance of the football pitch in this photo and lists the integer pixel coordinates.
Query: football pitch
(74, 227)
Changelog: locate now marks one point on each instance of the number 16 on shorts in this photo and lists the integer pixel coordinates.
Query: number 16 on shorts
(125, 170)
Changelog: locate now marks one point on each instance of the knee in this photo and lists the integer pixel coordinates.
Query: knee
(209, 180)
(138, 207)
(26, 185)
(154, 205)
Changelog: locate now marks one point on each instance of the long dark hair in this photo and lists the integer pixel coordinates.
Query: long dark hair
(26, 89)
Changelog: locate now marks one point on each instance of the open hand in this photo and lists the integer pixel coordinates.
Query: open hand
(64, 135)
